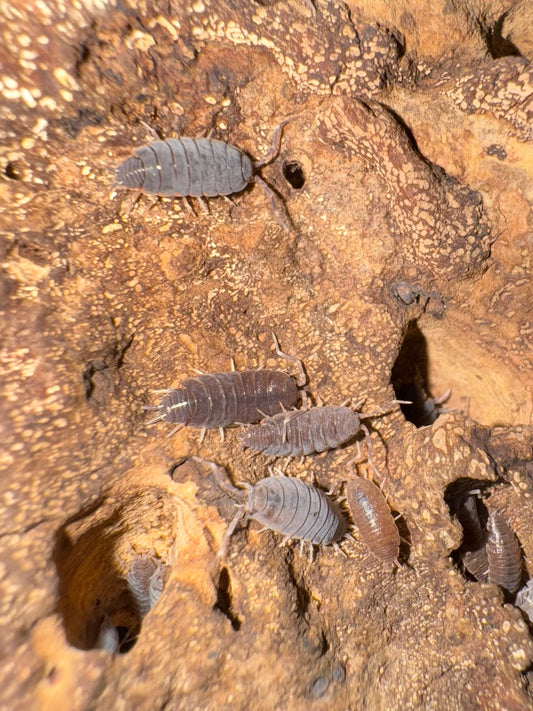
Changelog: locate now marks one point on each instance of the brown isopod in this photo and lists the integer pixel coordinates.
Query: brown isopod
(373, 519)
(503, 553)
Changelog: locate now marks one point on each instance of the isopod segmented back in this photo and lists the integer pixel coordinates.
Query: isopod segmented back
(196, 167)
(373, 519)
(296, 509)
(221, 399)
(503, 553)
(303, 432)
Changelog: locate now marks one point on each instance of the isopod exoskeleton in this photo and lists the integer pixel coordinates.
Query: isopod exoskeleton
(221, 399)
(195, 167)
(304, 432)
(373, 519)
(295, 509)
(503, 553)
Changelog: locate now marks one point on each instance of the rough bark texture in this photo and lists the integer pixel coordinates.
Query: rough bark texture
(408, 158)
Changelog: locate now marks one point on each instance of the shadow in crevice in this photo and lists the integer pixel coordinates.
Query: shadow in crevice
(409, 378)
(303, 597)
(224, 599)
(294, 174)
(462, 499)
(497, 45)
(405, 537)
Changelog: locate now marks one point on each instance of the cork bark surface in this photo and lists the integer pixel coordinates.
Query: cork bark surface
(406, 171)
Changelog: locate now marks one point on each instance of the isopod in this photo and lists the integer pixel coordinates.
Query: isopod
(524, 600)
(503, 553)
(146, 580)
(222, 399)
(195, 167)
(286, 505)
(303, 432)
(373, 519)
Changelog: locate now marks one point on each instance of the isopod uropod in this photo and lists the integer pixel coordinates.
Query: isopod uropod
(373, 519)
(222, 399)
(195, 167)
(503, 553)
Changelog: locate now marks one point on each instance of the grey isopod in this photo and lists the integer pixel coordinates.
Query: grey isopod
(295, 509)
(373, 519)
(221, 399)
(286, 505)
(195, 167)
(503, 553)
(146, 581)
(303, 432)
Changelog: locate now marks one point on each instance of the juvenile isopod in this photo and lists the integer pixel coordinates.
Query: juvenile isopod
(303, 432)
(286, 505)
(503, 553)
(195, 167)
(222, 399)
(373, 519)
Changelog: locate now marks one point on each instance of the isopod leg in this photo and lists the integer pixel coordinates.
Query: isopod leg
(283, 220)
(176, 429)
(369, 452)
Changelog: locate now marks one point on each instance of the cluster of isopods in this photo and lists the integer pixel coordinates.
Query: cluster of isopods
(287, 505)
(204, 167)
